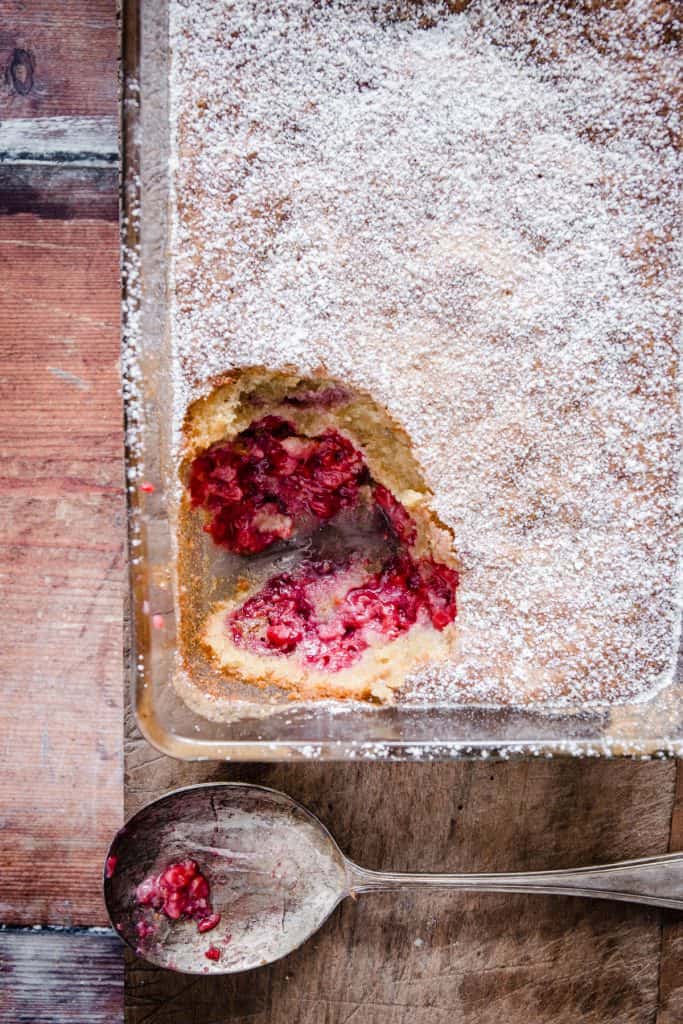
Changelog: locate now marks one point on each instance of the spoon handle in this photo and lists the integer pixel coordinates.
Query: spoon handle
(657, 881)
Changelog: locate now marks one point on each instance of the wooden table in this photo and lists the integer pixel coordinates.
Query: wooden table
(383, 960)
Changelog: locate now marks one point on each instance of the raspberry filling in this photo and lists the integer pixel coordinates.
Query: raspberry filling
(270, 481)
(181, 890)
(271, 484)
(329, 613)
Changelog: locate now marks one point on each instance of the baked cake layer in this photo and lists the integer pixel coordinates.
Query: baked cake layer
(466, 212)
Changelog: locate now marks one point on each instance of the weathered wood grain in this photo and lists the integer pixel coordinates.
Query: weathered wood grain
(58, 58)
(49, 977)
(61, 565)
(445, 959)
(671, 963)
(75, 141)
(60, 192)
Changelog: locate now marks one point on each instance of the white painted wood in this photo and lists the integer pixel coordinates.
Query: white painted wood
(80, 141)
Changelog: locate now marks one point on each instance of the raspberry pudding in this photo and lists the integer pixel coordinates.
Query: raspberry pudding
(346, 578)
(465, 211)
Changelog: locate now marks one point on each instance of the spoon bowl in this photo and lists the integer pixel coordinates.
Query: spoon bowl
(276, 874)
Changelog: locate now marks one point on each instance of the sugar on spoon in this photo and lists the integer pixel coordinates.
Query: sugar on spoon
(276, 874)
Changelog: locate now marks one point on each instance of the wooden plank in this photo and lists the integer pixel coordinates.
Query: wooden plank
(77, 141)
(671, 963)
(58, 58)
(62, 521)
(60, 192)
(60, 977)
(445, 959)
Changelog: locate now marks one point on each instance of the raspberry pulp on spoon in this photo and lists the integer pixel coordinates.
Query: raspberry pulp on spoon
(181, 890)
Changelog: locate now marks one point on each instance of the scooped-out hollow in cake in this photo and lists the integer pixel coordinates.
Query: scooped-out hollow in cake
(347, 579)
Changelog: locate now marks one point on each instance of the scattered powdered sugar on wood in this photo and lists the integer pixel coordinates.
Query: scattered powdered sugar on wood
(471, 214)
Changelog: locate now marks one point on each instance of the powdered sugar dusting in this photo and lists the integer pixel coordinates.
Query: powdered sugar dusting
(471, 215)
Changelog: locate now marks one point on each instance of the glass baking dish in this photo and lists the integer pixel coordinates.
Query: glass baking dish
(290, 731)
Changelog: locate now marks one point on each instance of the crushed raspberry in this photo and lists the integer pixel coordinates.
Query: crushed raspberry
(268, 483)
(292, 611)
(209, 923)
(181, 890)
(398, 520)
(110, 866)
(213, 953)
(261, 486)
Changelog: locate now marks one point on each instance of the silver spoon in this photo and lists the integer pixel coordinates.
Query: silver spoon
(276, 875)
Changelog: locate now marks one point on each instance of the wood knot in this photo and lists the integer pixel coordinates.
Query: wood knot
(20, 72)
